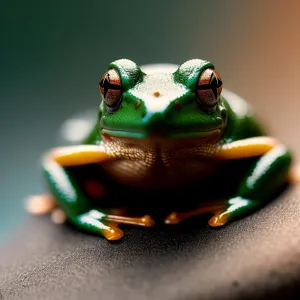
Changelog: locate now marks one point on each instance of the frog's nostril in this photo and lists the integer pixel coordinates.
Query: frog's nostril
(156, 94)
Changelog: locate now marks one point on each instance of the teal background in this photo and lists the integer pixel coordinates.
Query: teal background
(52, 54)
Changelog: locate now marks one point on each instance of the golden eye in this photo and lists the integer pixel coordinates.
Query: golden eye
(209, 88)
(110, 87)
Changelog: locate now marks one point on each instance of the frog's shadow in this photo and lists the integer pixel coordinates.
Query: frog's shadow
(193, 235)
(160, 204)
(154, 243)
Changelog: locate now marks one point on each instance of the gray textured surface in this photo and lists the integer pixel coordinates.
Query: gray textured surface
(254, 258)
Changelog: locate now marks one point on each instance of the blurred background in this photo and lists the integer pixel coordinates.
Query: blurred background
(52, 54)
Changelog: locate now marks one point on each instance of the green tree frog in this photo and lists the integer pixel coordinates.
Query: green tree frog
(165, 132)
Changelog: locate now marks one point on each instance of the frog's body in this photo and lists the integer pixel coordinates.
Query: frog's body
(157, 162)
(166, 130)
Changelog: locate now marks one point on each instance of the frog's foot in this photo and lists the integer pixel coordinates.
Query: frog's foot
(40, 204)
(224, 211)
(214, 207)
(92, 221)
(294, 174)
(107, 224)
(237, 207)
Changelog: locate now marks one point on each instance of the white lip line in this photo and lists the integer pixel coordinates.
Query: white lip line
(108, 131)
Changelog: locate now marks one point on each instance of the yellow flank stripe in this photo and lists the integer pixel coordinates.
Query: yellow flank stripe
(250, 147)
(79, 155)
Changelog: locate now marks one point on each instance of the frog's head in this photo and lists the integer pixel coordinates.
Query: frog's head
(165, 102)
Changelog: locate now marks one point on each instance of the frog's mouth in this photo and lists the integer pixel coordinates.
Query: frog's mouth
(171, 135)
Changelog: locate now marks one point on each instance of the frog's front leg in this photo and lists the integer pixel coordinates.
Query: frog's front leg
(73, 201)
(262, 181)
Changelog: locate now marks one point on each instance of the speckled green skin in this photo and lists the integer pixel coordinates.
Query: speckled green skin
(233, 118)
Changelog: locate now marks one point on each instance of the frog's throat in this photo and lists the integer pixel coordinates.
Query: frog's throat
(194, 145)
(158, 162)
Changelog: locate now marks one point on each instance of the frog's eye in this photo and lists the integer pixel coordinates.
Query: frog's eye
(110, 86)
(209, 88)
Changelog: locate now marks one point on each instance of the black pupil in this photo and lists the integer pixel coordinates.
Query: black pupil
(214, 84)
(106, 85)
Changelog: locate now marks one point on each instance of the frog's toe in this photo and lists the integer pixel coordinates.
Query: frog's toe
(113, 233)
(148, 221)
(294, 174)
(58, 216)
(40, 204)
(218, 220)
(145, 221)
(205, 208)
(172, 219)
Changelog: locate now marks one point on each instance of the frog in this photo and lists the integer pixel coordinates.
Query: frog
(161, 130)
